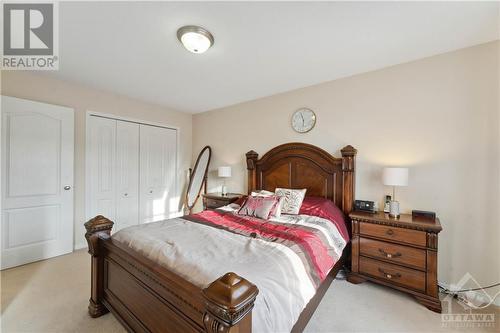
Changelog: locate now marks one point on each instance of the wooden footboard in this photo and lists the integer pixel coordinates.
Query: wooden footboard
(147, 297)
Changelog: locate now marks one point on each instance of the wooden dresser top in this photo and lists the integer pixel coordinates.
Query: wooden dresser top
(404, 221)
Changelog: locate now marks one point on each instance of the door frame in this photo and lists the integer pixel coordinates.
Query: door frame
(90, 113)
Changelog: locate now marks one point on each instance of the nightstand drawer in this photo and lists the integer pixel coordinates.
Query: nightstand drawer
(408, 236)
(402, 276)
(213, 203)
(217, 200)
(392, 252)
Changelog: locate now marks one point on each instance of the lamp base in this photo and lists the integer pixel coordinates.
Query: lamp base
(394, 209)
(224, 190)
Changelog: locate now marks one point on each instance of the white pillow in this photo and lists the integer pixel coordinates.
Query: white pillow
(293, 199)
(262, 193)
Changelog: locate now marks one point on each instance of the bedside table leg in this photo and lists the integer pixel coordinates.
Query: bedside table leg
(355, 278)
(433, 305)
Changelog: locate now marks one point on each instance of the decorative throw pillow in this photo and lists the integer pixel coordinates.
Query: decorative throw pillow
(258, 206)
(276, 210)
(292, 199)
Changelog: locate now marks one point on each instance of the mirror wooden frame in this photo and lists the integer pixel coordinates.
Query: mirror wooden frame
(192, 172)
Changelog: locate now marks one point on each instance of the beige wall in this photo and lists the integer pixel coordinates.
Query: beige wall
(81, 98)
(439, 116)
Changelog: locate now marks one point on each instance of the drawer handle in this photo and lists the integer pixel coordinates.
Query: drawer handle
(389, 255)
(390, 232)
(389, 276)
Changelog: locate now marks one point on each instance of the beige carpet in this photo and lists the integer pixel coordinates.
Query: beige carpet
(52, 296)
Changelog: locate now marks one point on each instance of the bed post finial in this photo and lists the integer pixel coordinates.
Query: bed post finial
(97, 227)
(252, 158)
(348, 177)
(229, 301)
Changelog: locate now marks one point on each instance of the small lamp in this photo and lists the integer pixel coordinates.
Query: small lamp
(224, 172)
(395, 177)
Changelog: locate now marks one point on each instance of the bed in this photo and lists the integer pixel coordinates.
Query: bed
(147, 293)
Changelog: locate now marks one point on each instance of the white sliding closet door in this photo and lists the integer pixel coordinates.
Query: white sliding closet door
(127, 174)
(102, 157)
(132, 173)
(158, 197)
(37, 181)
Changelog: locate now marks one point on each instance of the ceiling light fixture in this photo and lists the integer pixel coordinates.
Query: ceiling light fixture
(195, 39)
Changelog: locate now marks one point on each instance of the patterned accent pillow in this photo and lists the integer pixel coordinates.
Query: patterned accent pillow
(276, 210)
(292, 199)
(259, 206)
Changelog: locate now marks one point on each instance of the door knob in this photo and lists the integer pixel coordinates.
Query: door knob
(67, 187)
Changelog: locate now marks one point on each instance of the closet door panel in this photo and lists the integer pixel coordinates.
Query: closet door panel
(102, 154)
(127, 174)
(158, 197)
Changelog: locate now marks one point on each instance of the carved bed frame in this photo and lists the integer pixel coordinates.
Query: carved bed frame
(147, 297)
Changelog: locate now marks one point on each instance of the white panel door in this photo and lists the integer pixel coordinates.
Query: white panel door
(158, 154)
(37, 181)
(127, 174)
(101, 157)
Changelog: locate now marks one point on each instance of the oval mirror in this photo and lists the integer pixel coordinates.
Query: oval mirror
(198, 177)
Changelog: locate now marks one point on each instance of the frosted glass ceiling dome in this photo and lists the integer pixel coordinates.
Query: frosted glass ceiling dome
(195, 39)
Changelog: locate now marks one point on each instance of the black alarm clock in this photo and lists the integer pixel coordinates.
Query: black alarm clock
(365, 206)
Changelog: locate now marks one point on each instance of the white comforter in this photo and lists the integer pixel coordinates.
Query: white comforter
(201, 254)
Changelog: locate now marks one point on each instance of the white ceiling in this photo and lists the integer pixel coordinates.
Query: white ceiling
(260, 48)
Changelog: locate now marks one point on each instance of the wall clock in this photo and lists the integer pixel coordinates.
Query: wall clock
(303, 120)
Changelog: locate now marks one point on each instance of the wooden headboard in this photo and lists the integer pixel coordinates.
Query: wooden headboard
(301, 165)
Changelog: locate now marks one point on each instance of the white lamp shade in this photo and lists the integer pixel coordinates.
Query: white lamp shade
(395, 176)
(224, 171)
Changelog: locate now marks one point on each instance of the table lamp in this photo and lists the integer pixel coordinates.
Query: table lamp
(395, 177)
(224, 172)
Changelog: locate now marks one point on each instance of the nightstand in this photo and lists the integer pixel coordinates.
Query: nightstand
(216, 200)
(396, 252)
